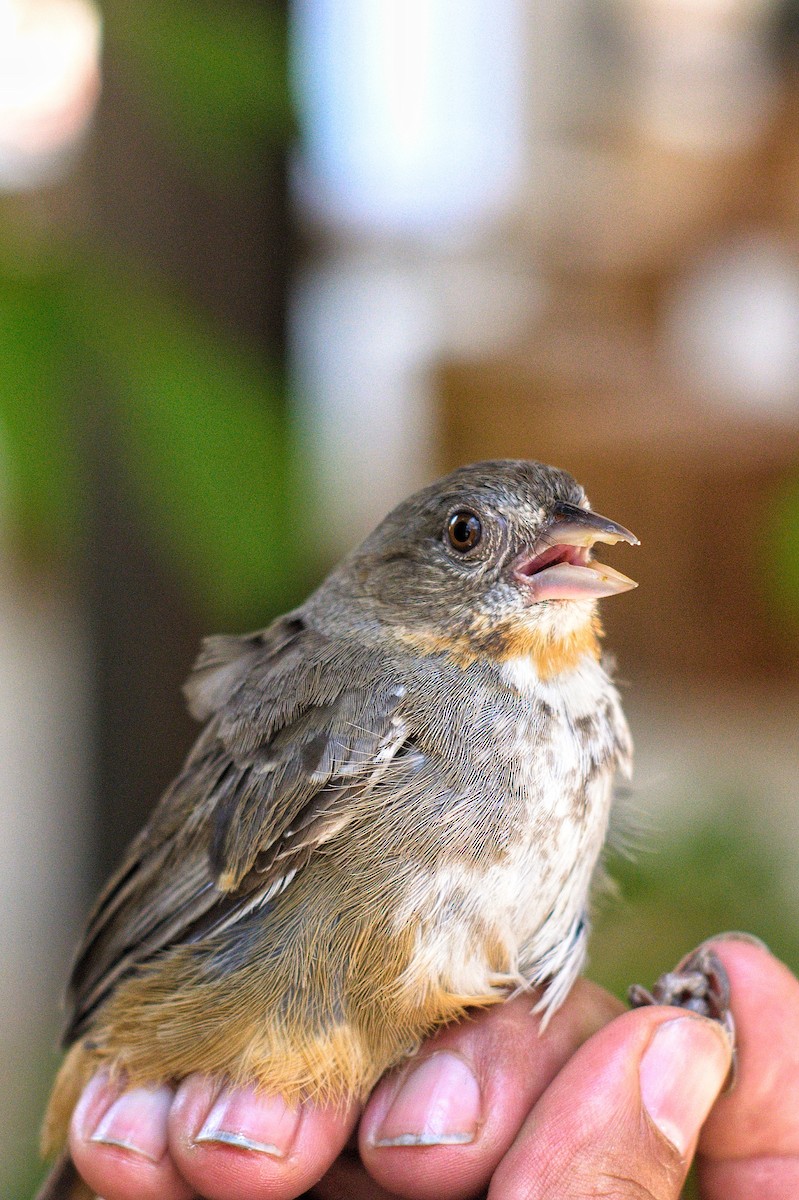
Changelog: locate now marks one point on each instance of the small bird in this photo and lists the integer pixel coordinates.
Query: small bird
(395, 811)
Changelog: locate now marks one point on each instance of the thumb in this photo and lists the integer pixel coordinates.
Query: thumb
(623, 1116)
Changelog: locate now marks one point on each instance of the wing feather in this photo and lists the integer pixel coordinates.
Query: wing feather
(295, 722)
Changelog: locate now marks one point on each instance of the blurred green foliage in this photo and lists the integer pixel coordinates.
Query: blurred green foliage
(38, 465)
(782, 547)
(688, 884)
(199, 419)
(204, 436)
(214, 76)
(199, 423)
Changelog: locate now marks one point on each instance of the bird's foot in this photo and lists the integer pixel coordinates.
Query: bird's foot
(700, 984)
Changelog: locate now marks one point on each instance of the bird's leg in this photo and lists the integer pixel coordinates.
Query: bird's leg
(700, 984)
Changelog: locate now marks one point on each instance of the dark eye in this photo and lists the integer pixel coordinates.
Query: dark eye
(464, 531)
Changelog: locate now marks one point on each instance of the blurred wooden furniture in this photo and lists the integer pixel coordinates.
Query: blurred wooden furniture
(702, 482)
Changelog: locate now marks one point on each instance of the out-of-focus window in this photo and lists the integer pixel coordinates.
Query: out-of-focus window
(49, 82)
(412, 111)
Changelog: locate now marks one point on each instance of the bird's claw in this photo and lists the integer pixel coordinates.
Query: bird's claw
(699, 984)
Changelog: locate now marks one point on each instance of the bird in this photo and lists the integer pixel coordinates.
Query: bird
(395, 811)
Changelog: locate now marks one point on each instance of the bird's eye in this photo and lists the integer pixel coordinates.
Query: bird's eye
(464, 531)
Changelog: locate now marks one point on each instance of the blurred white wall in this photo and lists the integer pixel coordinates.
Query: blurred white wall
(412, 112)
(414, 157)
(45, 745)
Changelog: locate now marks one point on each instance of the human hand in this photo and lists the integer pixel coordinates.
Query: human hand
(602, 1105)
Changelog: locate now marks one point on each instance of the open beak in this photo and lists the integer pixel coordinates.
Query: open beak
(559, 567)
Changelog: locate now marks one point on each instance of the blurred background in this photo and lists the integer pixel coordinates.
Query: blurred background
(267, 267)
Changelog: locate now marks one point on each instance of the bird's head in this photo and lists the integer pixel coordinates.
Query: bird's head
(496, 558)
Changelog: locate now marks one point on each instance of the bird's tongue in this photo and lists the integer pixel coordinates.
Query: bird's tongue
(569, 581)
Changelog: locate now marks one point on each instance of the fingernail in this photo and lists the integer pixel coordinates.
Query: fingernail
(251, 1120)
(681, 1073)
(736, 935)
(438, 1104)
(137, 1121)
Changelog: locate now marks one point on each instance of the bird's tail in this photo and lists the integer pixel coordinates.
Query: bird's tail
(64, 1182)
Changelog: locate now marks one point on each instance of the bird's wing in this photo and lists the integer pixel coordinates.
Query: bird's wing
(295, 722)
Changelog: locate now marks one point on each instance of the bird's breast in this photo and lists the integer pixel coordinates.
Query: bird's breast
(545, 791)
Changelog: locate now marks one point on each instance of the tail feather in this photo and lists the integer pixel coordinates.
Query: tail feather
(64, 1182)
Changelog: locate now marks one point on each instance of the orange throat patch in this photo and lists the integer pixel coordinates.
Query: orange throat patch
(550, 651)
(557, 652)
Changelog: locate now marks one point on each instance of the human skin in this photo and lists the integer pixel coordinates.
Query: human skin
(606, 1103)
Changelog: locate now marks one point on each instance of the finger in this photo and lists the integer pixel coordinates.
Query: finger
(750, 1146)
(120, 1146)
(622, 1117)
(438, 1127)
(239, 1144)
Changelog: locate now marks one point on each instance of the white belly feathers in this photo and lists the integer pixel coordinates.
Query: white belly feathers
(532, 901)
